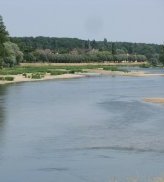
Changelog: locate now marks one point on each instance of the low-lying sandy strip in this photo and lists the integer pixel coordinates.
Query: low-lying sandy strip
(121, 73)
(21, 78)
(89, 72)
(155, 100)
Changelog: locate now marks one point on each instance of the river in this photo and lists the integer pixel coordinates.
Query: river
(95, 129)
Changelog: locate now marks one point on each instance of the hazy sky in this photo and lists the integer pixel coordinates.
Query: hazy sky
(116, 20)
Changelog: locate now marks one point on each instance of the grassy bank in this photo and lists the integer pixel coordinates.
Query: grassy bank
(54, 70)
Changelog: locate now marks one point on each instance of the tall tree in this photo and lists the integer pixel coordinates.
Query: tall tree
(105, 42)
(13, 55)
(161, 56)
(3, 38)
(113, 48)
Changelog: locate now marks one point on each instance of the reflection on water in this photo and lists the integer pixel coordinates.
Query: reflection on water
(2, 93)
(2, 119)
(90, 129)
(2, 109)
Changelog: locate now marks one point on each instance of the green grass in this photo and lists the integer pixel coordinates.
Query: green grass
(144, 66)
(53, 70)
(37, 76)
(7, 78)
(57, 72)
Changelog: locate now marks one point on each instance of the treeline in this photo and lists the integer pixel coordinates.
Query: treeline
(68, 45)
(49, 56)
(14, 50)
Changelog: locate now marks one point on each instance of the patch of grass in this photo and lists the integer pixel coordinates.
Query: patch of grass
(114, 68)
(75, 70)
(37, 76)
(144, 66)
(111, 68)
(57, 72)
(35, 71)
(7, 78)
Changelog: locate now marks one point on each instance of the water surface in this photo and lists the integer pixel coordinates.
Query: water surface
(89, 129)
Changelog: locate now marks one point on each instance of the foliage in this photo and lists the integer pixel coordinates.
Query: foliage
(48, 55)
(9, 52)
(37, 76)
(3, 32)
(45, 49)
(161, 56)
(8, 78)
(53, 70)
(144, 66)
(13, 55)
(3, 38)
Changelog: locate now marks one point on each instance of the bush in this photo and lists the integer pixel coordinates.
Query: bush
(36, 76)
(144, 66)
(25, 75)
(2, 78)
(8, 78)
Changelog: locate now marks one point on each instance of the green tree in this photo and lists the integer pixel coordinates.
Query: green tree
(3, 38)
(105, 42)
(161, 56)
(113, 48)
(13, 55)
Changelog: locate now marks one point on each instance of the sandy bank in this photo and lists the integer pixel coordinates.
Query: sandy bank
(155, 100)
(121, 73)
(21, 78)
(89, 72)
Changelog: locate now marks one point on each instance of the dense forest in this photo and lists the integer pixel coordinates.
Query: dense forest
(76, 50)
(14, 50)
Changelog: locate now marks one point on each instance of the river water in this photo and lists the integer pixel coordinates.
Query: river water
(95, 129)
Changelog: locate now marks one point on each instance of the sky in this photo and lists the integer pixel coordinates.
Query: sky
(116, 20)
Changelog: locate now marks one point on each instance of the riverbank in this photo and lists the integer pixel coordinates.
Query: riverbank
(47, 72)
(21, 78)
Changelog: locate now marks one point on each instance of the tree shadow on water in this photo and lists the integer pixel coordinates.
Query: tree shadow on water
(2, 112)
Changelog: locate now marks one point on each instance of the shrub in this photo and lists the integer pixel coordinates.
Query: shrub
(9, 78)
(25, 75)
(72, 71)
(36, 76)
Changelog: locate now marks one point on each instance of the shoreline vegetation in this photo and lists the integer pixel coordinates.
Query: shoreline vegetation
(29, 72)
(47, 71)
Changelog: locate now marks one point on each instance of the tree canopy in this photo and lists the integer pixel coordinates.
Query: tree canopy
(28, 45)
(161, 56)
(9, 52)
(3, 38)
